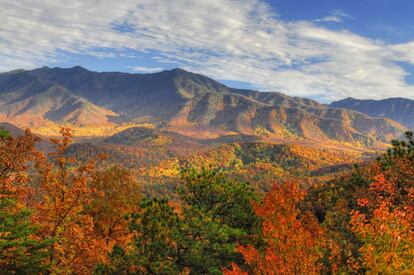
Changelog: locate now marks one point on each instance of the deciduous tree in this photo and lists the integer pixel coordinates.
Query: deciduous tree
(63, 188)
(293, 243)
(20, 253)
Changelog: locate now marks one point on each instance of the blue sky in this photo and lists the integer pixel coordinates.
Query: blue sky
(322, 49)
(389, 20)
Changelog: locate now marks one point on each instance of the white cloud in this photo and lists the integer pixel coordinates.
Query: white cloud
(225, 39)
(147, 69)
(336, 16)
(330, 18)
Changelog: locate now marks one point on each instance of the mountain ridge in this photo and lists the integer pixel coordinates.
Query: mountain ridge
(396, 108)
(180, 101)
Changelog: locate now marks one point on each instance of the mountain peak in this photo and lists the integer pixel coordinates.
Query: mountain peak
(348, 99)
(178, 70)
(72, 69)
(44, 68)
(79, 68)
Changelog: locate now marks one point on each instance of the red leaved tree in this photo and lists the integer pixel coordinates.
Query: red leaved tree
(293, 243)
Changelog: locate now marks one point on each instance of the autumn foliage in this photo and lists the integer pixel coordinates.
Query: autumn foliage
(20, 252)
(62, 215)
(59, 192)
(384, 220)
(293, 243)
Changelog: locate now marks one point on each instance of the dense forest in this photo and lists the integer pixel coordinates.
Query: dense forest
(64, 215)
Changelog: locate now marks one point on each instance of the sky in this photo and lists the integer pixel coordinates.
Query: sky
(321, 49)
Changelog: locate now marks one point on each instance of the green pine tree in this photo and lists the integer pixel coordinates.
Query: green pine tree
(19, 253)
(200, 237)
(218, 214)
(4, 133)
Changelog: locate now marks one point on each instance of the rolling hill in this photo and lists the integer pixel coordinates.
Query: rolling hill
(136, 136)
(181, 102)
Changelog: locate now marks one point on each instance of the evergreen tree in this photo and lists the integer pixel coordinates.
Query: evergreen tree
(218, 214)
(19, 253)
(4, 133)
(199, 236)
(155, 247)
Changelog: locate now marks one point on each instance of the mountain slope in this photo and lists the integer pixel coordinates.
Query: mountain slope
(178, 101)
(398, 109)
(43, 144)
(37, 102)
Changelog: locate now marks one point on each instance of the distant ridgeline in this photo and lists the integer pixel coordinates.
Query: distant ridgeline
(398, 109)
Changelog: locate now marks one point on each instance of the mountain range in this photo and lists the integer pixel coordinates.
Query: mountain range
(182, 102)
(398, 109)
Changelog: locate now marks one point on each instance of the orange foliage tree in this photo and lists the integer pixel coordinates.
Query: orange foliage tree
(15, 156)
(77, 210)
(20, 252)
(385, 226)
(62, 191)
(384, 220)
(118, 194)
(293, 243)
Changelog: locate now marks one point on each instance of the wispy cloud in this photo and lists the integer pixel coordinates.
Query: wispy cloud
(225, 39)
(336, 16)
(147, 69)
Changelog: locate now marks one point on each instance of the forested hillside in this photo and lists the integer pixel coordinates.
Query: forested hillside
(65, 215)
(178, 101)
